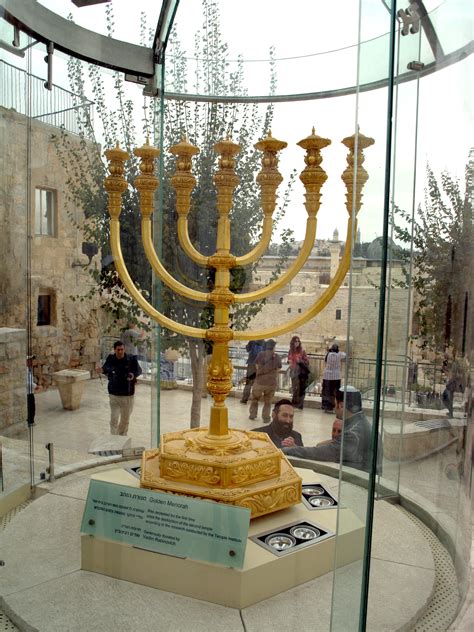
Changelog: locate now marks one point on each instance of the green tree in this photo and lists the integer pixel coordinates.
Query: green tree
(204, 124)
(442, 260)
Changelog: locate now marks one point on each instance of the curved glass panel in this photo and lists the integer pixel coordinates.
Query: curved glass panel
(399, 310)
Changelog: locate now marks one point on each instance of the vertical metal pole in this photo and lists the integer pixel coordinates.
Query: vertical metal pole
(380, 341)
(2, 488)
(50, 448)
(49, 60)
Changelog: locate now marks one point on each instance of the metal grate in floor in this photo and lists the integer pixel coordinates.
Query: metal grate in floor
(444, 603)
(6, 625)
(6, 518)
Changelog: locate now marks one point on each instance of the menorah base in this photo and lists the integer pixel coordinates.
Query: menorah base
(247, 470)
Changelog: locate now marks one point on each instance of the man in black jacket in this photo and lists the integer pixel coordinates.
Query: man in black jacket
(122, 372)
(281, 430)
(355, 442)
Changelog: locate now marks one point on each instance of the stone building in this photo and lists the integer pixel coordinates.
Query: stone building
(43, 273)
(331, 323)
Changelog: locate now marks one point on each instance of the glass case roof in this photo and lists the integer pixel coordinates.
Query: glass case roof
(310, 47)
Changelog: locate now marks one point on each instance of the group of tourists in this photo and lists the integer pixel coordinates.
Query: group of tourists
(351, 436)
(264, 365)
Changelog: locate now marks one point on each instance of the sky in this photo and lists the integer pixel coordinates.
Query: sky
(301, 33)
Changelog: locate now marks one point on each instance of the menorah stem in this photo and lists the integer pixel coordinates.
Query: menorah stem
(220, 368)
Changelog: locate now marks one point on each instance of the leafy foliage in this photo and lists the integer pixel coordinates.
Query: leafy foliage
(442, 257)
(204, 124)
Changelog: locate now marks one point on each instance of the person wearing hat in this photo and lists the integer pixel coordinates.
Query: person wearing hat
(355, 442)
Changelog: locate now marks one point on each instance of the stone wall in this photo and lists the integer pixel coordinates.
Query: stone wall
(58, 267)
(12, 380)
(331, 324)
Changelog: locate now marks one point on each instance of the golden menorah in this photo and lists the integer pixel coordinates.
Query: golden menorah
(221, 463)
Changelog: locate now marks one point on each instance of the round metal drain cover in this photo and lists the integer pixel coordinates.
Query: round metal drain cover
(305, 533)
(321, 502)
(280, 541)
(313, 491)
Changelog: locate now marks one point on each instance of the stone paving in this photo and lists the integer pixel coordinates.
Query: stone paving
(73, 432)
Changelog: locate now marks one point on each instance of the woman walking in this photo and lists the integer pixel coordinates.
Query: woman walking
(331, 377)
(299, 371)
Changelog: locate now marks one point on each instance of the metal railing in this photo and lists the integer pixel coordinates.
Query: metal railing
(25, 93)
(421, 384)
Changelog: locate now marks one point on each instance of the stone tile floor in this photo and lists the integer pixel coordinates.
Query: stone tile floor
(72, 432)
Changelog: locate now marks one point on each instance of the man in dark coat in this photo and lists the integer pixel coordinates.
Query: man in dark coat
(280, 430)
(355, 442)
(122, 372)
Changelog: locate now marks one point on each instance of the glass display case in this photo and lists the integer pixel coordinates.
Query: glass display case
(315, 214)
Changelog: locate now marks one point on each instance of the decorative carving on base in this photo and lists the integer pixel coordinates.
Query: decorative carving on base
(260, 478)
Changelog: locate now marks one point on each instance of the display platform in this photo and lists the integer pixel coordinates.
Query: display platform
(265, 572)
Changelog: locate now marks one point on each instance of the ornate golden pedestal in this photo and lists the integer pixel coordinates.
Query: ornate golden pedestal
(250, 471)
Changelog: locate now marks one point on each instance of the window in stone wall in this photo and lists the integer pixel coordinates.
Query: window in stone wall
(45, 311)
(289, 310)
(45, 212)
(338, 314)
(324, 278)
(281, 300)
(299, 310)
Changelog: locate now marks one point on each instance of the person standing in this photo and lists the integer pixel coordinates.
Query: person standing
(268, 364)
(130, 339)
(253, 348)
(122, 372)
(448, 395)
(331, 377)
(299, 371)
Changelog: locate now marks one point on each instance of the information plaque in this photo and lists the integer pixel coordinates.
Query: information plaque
(167, 523)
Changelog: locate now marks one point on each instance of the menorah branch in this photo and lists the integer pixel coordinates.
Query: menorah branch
(183, 183)
(161, 271)
(317, 307)
(131, 288)
(261, 247)
(187, 246)
(286, 277)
